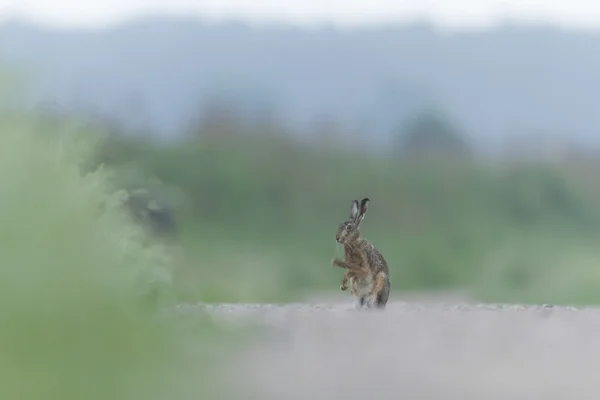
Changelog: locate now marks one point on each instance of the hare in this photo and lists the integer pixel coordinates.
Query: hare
(366, 269)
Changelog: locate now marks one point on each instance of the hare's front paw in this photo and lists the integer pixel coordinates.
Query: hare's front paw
(343, 287)
(336, 262)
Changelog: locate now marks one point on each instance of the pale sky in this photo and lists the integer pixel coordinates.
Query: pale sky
(464, 14)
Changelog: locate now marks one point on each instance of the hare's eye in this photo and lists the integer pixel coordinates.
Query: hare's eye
(348, 227)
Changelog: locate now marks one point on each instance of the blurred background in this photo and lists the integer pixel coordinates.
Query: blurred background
(201, 151)
(242, 130)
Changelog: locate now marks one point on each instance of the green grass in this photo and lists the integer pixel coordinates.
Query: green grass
(80, 283)
(541, 268)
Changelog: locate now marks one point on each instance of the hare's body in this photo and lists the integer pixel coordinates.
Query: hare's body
(366, 269)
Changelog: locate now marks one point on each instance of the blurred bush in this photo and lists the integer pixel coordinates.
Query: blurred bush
(431, 134)
(81, 284)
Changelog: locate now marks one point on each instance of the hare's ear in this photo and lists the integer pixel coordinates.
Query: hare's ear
(354, 210)
(364, 204)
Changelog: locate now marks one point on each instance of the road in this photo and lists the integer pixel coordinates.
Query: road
(417, 350)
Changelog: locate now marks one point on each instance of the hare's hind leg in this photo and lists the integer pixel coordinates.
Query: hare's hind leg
(361, 302)
(381, 291)
(360, 299)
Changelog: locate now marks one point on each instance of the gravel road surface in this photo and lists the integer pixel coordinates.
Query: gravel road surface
(417, 350)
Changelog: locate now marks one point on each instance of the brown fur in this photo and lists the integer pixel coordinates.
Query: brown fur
(366, 269)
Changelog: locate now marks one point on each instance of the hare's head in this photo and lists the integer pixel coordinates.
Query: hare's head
(348, 230)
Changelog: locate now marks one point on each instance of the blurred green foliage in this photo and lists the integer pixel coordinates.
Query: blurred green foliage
(81, 283)
(430, 133)
(256, 216)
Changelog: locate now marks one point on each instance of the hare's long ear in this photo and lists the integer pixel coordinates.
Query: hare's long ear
(354, 210)
(364, 204)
